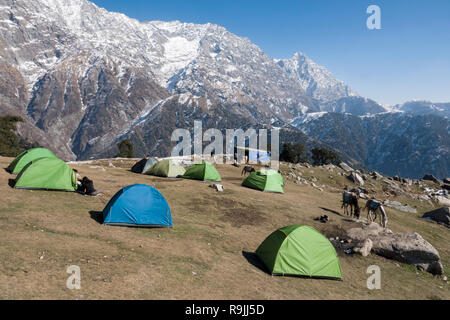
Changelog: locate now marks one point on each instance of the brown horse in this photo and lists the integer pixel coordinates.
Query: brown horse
(350, 199)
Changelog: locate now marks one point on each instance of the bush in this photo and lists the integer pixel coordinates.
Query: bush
(293, 153)
(126, 149)
(323, 156)
(11, 144)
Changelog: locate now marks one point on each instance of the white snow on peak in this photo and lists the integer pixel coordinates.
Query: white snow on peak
(316, 80)
(178, 52)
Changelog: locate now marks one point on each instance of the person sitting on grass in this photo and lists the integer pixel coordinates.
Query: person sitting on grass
(86, 186)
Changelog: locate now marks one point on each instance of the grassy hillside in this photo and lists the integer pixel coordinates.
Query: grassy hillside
(207, 255)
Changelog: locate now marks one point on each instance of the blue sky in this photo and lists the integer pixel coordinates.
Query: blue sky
(409, 58)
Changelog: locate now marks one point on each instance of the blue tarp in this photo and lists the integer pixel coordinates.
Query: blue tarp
(140, 206)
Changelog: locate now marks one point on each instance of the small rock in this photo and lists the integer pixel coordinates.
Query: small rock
(365, 249)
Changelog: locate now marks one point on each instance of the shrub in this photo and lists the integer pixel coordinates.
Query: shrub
(126, 149)
(323, 156)
(293, 153)
(12, 144)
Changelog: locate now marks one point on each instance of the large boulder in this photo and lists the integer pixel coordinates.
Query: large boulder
(442, 201)
(398, 206)
(408, 248)
(445, 186)
(395, 189)
(447, 180)
(345, 167)
(356, 178)
(441, 215)
(376, 176)
(430, 177)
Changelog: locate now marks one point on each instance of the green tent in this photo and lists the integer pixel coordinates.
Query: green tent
(47, 174)
(204, 171)
(26, 157)
(166, 168)
(265, 180)
(300, 251)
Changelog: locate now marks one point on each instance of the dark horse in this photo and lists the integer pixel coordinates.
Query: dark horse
(350, 199)
(248, 170)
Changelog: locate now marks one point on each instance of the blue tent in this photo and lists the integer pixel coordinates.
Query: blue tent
(138, 206)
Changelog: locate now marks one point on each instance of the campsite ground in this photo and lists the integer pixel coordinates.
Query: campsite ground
(207, 255)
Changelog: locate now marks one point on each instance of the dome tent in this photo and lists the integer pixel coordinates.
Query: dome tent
(300, 251)
(265, 180)
(144, 165)
(47, 174)
(167, 169)
(204, 171)
(26, 157)
(138, 206)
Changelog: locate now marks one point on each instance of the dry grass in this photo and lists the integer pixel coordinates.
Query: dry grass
(205, 256)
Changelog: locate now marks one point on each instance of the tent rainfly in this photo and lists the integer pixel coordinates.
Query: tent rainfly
(144, 165)
(265, 180)
(26, 157)
(204, 171)
(300, 251)
(47, 174)
(138, 206)
(167, 169)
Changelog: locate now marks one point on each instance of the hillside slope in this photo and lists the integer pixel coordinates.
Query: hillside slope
(207, 255)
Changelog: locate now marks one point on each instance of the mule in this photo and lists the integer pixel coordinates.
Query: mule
(375, 208)
(248, 170)
(350, 199)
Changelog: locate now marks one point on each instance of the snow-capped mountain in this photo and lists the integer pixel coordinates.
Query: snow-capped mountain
(89, 75)
(424, 107)
(316, 80)
(84, 78)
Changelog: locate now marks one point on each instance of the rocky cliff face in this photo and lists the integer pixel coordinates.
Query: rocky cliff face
(393, 143)
(84, 78)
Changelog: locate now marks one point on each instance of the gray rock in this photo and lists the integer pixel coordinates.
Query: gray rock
(447, 180)
(408, 248)
(395, 189)
(407, 182)
(365, 249)
(441, 215)
(430, 177)
(441, 200)
(345, 167)
(424, 197)
(446, 186)
(356, 178)
(398, 206)
(376, 176)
